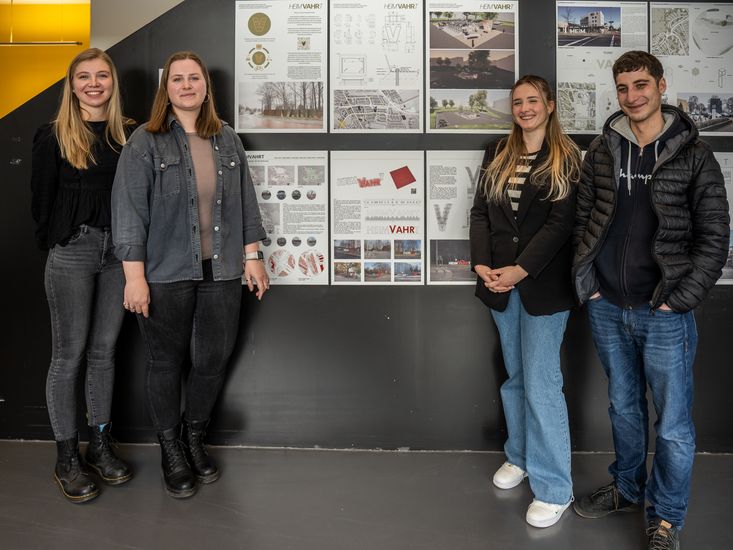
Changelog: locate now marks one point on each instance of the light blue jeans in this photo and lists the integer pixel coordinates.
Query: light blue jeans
(640, 347)
(534, 404)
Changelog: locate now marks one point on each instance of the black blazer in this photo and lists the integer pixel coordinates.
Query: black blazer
(538, 240)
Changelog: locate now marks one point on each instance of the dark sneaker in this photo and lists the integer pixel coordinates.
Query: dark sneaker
(662, 536)
(602, 502)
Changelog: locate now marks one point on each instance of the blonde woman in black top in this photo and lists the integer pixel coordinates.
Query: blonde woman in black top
(521, 223)
(74, 162)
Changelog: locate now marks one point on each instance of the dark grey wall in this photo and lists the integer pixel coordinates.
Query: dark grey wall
(383, 367)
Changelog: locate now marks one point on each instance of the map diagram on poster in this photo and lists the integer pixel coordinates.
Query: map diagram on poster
(590, 36)
(376, 66)
(694, 42)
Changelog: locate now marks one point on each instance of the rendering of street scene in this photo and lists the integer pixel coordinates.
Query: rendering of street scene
(470, 109)
(589, 26)
(376, 109)
(450, 261)
(710, 112)
(346, 249)
(481, 29)
(490, 69)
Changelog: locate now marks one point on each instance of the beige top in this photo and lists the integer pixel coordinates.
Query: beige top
(205, 172)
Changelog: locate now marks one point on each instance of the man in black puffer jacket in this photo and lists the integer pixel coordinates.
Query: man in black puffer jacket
(651, 238)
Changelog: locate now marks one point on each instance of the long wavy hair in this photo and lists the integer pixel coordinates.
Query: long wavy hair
(75, 137)
(560, 169)
(208, 122)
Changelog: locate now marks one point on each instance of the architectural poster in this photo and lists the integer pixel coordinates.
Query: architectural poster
(590, 36)
(726, 165)
(280, 66)
(472, 63)
(452, 179)
(377, 222)
(292, 192)
(694, 42)
(376, 66)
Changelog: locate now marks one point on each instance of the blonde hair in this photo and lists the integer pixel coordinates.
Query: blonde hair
(76, 139)
(208, 122)
(561, 168)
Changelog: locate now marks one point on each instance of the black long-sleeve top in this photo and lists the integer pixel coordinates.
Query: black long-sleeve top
(65, 197)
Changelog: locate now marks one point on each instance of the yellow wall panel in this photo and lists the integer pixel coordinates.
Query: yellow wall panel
(32, 69)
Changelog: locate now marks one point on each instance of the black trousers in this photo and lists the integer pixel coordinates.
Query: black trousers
(199, 319)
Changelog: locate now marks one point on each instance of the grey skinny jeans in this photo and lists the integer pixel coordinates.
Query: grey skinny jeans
(84, 287)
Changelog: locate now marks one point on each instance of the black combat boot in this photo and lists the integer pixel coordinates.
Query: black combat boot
(194, 434)
(101, 457)
(71, 475)
(177, 475)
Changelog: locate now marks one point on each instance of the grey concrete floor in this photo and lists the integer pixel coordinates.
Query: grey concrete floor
(279, 499)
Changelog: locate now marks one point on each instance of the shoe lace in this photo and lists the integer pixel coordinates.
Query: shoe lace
(174, 454)
(196, 443)
(660, 538)
(106, 444)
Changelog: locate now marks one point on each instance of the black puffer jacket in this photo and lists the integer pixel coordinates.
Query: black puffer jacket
(688, 196)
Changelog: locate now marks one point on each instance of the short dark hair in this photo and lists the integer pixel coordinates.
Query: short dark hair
(636, 60)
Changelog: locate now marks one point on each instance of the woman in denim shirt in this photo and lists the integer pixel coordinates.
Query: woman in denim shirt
(186, 225)
(74, 160)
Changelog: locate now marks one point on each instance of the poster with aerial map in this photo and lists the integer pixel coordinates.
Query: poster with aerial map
(694, 42)
(376, 66)
(590, 36)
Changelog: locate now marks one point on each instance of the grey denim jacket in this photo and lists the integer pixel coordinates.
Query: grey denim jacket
(155, 206)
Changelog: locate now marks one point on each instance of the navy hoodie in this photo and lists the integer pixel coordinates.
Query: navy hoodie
(627, 270)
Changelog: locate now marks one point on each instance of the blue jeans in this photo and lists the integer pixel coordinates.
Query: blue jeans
(196, 320)
(638, 347)
(534, 404)
(84, 285)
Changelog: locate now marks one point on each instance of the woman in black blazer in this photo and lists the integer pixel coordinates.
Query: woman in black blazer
(521, 222)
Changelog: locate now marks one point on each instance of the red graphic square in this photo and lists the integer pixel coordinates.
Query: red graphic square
(402, 176)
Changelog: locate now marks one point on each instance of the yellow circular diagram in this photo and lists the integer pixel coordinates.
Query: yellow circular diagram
(259, 24)
(259, 58)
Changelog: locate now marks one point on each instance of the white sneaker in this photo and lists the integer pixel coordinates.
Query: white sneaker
(544, 514)
(509, 476)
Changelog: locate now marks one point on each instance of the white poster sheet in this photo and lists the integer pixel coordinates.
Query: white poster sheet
(694, 42)
(452, 179)
(376, 66)
(472, 63)
(292, 194)
(726, 165)
(377, 217)
(280, 66)
(590, 37)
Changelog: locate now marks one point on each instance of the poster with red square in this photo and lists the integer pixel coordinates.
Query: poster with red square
(402, 176)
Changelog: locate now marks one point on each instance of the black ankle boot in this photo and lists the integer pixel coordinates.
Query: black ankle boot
(177, 475)
(102, 458)
(194, 434)
(70, 473)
